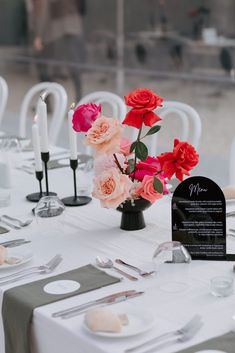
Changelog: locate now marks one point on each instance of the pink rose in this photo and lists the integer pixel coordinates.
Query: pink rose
(150, 166)
(125, 146)
(104, 135)
(112, 188)
(104, 162)
(84, 116)
(146, 189)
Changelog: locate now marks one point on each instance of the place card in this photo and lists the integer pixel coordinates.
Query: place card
(199, 218)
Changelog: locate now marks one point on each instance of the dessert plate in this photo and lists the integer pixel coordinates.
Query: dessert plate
(140, 321)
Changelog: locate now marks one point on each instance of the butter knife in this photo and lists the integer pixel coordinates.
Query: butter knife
(110, 299)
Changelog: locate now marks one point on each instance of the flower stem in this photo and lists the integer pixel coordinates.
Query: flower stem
(135, 160)
(118, 164)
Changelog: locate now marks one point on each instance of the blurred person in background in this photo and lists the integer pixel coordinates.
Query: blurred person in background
(58, 34)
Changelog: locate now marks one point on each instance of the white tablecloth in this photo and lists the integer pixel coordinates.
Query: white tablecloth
(89, 231)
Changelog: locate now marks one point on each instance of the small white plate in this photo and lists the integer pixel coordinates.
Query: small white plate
(23, 258)
(140, 321)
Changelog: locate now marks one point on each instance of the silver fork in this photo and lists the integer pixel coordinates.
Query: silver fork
(43, 269)
(183, 338)
(184, 333)
(138, 270)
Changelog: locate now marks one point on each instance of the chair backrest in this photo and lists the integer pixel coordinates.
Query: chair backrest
(190, 123)
(60, 107)
(232, 163)
(3, 97)
(116, 104)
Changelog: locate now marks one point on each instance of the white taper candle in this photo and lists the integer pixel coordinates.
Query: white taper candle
(42, 118)
(36, 147)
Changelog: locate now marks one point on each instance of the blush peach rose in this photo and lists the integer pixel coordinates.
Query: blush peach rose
(112, 188)
(105, 162)
(104, 135)
(146, 189)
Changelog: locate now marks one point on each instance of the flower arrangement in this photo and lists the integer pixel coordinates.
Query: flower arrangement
(123, 169)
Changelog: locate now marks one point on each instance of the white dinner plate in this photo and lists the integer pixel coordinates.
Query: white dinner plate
(23, 258)
(139, 321)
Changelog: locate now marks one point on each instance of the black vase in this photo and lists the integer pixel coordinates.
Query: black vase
(132, 214)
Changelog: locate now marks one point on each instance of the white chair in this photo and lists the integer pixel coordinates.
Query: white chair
(190, 123)
(113, 101)
(232, 163)
(3, 97)
(60, 107)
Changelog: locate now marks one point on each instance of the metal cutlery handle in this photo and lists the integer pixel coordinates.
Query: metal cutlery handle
(9, 224)
(109, 299)
(75, 309)
(166, 335)
(121, 262)
(81, 310)
(19, 243)
(11, 219)
(19, 273)
(17, 278)
(130, 277)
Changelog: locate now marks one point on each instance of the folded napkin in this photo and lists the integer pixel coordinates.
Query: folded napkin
(19, 303)
(224, 343)
(229, 192)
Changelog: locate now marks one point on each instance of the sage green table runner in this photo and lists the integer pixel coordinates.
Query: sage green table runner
(19, 303)
(225, 343)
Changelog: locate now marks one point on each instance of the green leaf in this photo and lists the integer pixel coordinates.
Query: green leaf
(158, 186)
(141, 151)
(133, 146)
(153, 130)
(131, 166)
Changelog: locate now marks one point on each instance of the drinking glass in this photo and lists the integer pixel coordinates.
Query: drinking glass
(171, 262)
(50, 213)
(221, 286)
(84, 175)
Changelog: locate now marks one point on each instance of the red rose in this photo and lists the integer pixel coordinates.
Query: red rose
(85, 115)
(143, 101)
(179, 162)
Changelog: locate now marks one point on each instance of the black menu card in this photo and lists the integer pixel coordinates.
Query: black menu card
(199, 218)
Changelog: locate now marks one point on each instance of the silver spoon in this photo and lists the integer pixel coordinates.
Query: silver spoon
(108, 263)
(21, 224)
(140, 272)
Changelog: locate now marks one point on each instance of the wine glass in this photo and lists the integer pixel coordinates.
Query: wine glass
(171, 262)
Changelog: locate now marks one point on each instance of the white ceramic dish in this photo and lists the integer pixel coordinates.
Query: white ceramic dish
(140, 321)
(23, 258)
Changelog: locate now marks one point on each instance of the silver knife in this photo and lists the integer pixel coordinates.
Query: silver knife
(104, 300)
(14, 242)
(114, 301)
(12, 245)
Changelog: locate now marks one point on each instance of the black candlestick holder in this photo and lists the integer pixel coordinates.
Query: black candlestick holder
(75, 200)
(45, 158)
(35, 197)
